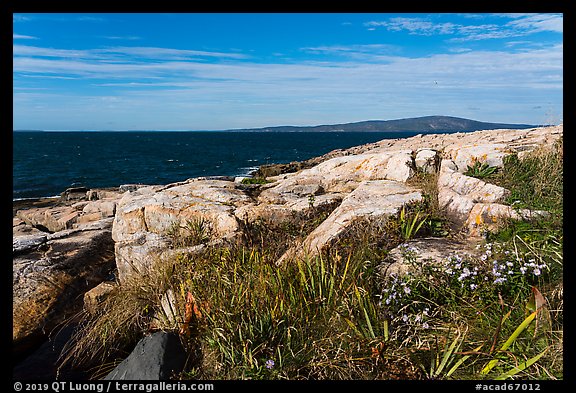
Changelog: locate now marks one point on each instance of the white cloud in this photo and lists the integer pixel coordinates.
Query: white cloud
(539, 22)
(20, 18)
(520, 25)
(23, 37)
(122, 53)
(419, 26)
(347, 49)
(169, 53)
(123, 38)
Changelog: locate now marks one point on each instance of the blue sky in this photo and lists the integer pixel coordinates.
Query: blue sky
(220, 71)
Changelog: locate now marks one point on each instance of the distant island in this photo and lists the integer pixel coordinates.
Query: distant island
(415, 124)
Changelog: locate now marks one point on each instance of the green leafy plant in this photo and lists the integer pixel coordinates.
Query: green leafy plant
(409, 226)
(190, 233)
(513, 337)
(255, 180)
(480, 170)
(446, 357)
(311, 200)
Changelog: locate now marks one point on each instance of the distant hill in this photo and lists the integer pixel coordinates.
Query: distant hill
(416, 124)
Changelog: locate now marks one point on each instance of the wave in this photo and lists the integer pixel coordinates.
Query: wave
(35, 198)
(248, 170)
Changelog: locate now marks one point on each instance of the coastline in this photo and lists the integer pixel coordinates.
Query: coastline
(326, 197)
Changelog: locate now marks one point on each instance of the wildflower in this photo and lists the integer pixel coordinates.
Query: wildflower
(473, 286)
(405, 318)
(465, 273)
(407, 290)
(536, 272)
(425, 325)
(500, 280)
(523, 269)
(270, 364)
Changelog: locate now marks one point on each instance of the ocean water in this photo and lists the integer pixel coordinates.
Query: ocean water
(46, 163)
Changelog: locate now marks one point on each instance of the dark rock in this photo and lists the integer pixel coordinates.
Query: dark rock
(223, 178)
(156, 357)
(280, 169)
(43, 364)
(74, 193)
(130, 187)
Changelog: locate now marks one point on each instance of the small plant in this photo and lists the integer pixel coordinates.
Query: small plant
(409, 226)
(437, 227)
(444, 358)
(192, 233)
(255, 180)
(311, 200)
(480, 170)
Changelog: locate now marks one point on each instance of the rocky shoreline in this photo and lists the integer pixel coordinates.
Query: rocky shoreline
(69, 251)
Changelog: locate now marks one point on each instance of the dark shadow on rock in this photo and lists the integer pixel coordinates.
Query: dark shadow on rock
(43, 363)
(158, 356)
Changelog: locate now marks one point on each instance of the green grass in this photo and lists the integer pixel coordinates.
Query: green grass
(255, 180)
(535, 181)
(334, 317)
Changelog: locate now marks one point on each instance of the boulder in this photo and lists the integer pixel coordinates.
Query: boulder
(71, 215)
(146, 218)
(44, 363)
(21, 228)
(458, 193)
(372, 199)
(105, 207)
(50, 276)
(489, 216)
(159, 356)
(24, 243)
(427, 160)
(74, 193)
(94, 297)
(340, 175)
(489, 153)
(409, 256)
(51, 219)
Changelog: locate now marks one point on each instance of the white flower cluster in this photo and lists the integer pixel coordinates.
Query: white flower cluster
(536, 269)
(510, 265)
(417, 319)
(397, 288)
(459, 267)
